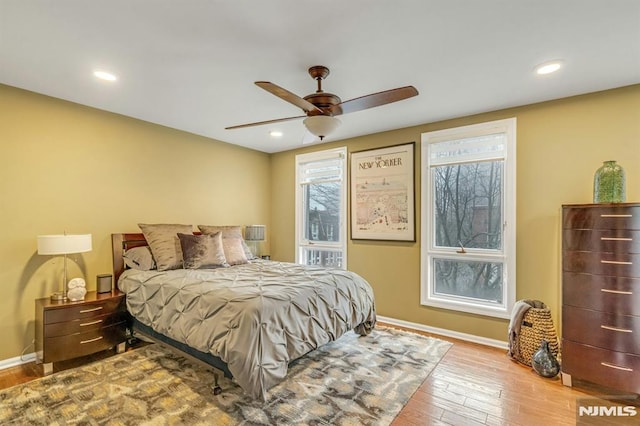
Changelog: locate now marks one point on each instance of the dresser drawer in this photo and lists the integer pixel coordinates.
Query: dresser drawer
(620, 295)
(71, 312)
(602, 240)
(600, 263)
(80, 344)
(616, 370)
(84, 325)
(601, 217)
(604, 330)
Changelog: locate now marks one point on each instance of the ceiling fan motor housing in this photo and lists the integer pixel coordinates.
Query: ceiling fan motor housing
(324, 101)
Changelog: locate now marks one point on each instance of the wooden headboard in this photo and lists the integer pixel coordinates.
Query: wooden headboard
(119, 244)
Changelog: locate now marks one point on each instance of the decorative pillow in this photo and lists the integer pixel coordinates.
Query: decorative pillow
(229, 232)
(234, 251)
(164, 243)
(139, 258)
(202, 251)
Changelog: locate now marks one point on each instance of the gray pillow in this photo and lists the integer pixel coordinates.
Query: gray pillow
(139, 258)
(202, 251)
(229, 232)
(164, 243)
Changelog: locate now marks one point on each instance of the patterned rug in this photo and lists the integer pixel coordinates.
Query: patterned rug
(352, 381)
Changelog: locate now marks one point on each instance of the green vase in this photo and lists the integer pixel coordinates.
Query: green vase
(609, 184)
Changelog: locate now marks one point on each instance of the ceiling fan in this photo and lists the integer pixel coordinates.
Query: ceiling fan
(321, 107)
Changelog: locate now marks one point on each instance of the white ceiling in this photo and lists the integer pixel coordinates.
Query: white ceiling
(191, 64)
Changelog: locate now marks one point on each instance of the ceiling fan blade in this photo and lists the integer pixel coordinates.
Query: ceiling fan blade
(286, 95)
(374, 100)
(260, 123)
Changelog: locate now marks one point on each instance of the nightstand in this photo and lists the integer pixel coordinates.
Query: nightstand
(66, 329)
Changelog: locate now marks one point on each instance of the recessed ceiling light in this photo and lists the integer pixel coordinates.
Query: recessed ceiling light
(103, 75)
(548, 67)
(275, 134)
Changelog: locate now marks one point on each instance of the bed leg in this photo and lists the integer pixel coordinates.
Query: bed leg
(132, 340)
(217, 390)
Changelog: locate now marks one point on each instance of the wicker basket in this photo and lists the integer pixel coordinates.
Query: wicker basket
(537, 325)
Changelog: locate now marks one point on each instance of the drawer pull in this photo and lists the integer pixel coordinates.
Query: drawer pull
(622, 330)
(82, 342)
(617, 367)
(615, 239)
(90, 323)
(606, 290)
(615, 262)
(84, 311)
(616, 215)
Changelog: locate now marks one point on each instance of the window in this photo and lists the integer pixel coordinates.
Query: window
(468, 218)
(321, 208)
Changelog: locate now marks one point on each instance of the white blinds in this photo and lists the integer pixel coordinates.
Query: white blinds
(325, 170)
(479, 148)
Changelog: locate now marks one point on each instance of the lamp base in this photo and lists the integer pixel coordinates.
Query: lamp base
(58, 297)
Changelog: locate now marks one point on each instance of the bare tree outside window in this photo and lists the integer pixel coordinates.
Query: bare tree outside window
(323, 211)
(468, 202)
(468, 215)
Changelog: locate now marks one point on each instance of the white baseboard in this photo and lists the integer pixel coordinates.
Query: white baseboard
(447, 333)
(18, 360)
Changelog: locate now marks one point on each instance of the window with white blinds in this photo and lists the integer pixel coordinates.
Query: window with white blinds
(321, 193)
(468, 218)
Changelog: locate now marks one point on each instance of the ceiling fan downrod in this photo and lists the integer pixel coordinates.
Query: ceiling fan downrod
(319, 73)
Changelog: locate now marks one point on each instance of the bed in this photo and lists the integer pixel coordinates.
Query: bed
(248, 320)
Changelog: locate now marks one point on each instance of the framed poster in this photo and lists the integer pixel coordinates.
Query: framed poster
(382, 194)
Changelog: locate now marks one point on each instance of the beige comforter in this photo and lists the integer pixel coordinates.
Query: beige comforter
(256, 317)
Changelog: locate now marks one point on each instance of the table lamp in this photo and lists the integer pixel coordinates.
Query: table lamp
(255, 234)
(63, 244)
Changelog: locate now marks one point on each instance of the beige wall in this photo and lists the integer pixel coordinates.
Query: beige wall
(560, 144)
(65, 167)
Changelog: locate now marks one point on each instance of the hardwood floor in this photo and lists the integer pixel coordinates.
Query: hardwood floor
(481, 385)
(472, 385)
(31, 371)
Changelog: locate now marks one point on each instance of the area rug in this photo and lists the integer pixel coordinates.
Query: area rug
(352, 381)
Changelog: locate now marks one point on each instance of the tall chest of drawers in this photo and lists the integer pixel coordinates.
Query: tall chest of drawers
(601, 294)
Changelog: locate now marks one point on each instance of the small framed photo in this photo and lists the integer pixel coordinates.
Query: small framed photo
(382, 194)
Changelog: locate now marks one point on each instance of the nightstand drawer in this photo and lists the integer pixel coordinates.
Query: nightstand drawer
(80, 344)
(616, 370)
(70, 312)
(602, 217)
(620, 295)
(604, 330)
(84, 325)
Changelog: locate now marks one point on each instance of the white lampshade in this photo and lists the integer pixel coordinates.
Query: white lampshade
(254, 232)
(64, 244)
(321, 125)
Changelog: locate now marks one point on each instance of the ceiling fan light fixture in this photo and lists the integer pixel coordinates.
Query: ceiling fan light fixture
(321, 125)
